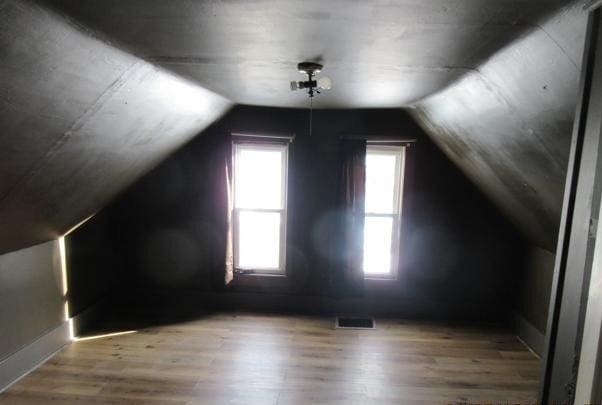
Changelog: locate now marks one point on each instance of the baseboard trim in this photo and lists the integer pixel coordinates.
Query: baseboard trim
(22, 362)
(529, 335)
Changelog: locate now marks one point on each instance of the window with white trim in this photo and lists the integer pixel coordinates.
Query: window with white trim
(260, 183)
(382, 222)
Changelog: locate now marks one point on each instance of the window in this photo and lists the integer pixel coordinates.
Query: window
(260, 182)
(384, 183)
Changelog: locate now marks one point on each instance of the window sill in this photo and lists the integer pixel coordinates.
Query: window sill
(380, 278)
(253, 272)
(259, 274)
(260, 281)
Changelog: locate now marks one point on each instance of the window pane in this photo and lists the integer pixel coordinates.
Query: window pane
(259, 240)
(258, 178)
(380, 183)
(378, 233)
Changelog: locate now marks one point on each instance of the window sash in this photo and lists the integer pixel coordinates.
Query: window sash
(261, 145)
(393, 249)
(281, 238)
(399, 153)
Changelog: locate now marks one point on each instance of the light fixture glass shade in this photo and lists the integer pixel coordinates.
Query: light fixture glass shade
(325, 83)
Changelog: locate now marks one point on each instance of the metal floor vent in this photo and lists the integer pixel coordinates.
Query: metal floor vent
(346, 322)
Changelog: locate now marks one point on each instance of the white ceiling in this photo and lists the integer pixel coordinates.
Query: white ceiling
(378, 53)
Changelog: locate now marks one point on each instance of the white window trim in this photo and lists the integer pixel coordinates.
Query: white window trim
(400, 152)
(261, 145)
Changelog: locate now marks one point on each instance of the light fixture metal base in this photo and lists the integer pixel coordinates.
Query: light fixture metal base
(309, 68)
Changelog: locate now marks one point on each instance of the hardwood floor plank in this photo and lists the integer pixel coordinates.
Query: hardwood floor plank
(277, 359)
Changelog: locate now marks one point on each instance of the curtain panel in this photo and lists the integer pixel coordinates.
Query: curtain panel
(349, 275)
(223, 201)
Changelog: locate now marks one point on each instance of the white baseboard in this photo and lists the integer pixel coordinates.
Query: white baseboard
(529, 335)
(21, 363)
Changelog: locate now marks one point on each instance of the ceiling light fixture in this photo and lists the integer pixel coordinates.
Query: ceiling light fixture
(313, 86)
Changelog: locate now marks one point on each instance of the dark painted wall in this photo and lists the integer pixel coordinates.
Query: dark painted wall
(458, 253)
(93, 273)
(534, 284)
(31, 298)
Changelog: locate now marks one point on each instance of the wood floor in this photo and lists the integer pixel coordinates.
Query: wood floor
(276, 359)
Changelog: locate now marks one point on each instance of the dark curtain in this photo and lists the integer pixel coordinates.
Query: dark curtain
(222, 164)
(349, 275)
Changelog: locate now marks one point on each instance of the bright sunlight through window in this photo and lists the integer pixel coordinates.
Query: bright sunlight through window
(384, 177)
(260, 206)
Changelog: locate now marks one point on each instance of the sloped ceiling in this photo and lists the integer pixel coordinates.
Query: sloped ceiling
(93, 93)
(508, 123)
(80, 120)
(494, 83)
